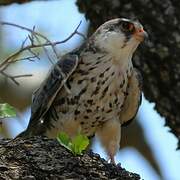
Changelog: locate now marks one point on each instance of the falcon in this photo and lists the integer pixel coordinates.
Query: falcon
(92, 90)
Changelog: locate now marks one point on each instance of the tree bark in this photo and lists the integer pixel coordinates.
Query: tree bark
(41, 158)
(8, 2)
(159, 58)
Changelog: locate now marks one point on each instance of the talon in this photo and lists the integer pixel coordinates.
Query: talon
(112, 160)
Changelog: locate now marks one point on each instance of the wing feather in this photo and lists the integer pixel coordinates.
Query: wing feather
(45, 95)
(133, 100)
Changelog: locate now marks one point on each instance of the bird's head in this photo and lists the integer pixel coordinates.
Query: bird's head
(120, 36)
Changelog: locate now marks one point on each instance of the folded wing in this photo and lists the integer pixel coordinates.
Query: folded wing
(44, 96)
(133, 99)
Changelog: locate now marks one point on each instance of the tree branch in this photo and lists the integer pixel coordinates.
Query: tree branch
(41, 158)
(8, 2)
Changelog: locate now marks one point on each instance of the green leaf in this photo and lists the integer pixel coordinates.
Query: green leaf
(79, 144)
(64, 140)
(76, 145)
(7, 111)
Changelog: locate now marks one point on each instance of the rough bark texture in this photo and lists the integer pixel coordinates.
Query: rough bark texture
(41, 158)
(8, 2)
(158, 59)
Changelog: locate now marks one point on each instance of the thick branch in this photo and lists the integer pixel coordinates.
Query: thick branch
(41, 158)
(8, 2)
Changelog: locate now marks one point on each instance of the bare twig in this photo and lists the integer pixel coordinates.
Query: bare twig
(33, 33)
(48, 43)
(13, 78)
(29, 58)
(82, 35)
(46, 51)
(35, 42)
(35, 54)
(24, 28)
(23, 43)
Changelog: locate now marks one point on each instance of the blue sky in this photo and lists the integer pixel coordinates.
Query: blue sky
(57, 20)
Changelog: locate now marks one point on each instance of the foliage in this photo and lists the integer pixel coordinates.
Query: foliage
(76, 145)
(7, 111)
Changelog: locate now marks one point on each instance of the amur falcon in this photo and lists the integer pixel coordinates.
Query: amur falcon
(92, 90)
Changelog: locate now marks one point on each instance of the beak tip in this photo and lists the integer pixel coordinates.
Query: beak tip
(146, 36)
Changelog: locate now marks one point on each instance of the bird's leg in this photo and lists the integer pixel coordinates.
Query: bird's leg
(109, 135)
(111, 158)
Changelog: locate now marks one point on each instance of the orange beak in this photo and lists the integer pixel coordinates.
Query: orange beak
(140, 34)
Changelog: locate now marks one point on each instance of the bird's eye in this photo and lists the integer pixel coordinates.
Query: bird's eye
(127, 26)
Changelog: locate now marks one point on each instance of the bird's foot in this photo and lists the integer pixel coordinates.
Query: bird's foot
(112, 160)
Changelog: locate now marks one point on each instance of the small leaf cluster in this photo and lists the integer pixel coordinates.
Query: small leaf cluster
(76, 145)
(6, 111)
